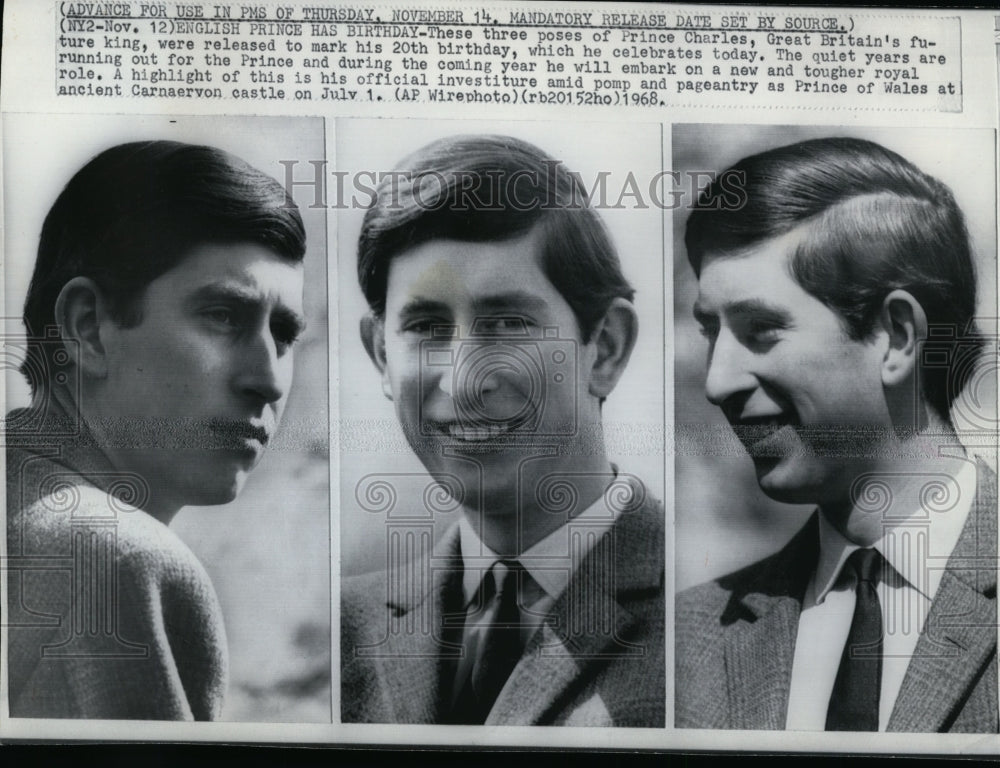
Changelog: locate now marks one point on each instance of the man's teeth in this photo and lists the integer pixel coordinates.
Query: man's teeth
(770, 423)
(475, 433)
(764, 425)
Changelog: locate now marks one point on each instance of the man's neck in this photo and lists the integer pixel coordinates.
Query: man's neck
(899, 484)
(545, 503)
(100, 445)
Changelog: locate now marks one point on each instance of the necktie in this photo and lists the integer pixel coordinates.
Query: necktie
(855, 699)
(500, 647)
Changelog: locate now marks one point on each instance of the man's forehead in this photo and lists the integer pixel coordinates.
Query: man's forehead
(475, 271)
(779, 248)
(774, 253)
(250, 271)
(759, 272)
(242, 262)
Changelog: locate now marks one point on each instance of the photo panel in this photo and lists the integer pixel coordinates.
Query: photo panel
(807, 422)
(473, 400)
(243, 570)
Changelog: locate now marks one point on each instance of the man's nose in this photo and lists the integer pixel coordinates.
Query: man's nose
(730, 369)
(263, 372)
(437, 367)
(473, 373)
(446, 379)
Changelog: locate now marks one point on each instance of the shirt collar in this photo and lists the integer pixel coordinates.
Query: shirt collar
(921, 568)
(551, 561)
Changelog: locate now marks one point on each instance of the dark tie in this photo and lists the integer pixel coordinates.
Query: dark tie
(855, 698)
(500, 647)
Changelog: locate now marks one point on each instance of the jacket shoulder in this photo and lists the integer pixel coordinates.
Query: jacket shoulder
(138, 542)
(783, 573)
(362, 599)
(161, 650)
(708, 601)
(704, 612)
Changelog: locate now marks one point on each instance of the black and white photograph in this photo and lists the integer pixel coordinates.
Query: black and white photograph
(348, 403)
(835, 406)
(167, 420)
(501, 363)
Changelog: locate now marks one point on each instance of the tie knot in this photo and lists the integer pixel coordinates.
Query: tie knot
(866, 564)
(505, 574)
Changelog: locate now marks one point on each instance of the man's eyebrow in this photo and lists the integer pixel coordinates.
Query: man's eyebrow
(510, 300)
(759, 308)
(421, 306)
(247, 297)
(226, 292)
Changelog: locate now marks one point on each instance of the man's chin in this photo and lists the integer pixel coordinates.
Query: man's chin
(474, 486)
(779, 480)
(221, 489)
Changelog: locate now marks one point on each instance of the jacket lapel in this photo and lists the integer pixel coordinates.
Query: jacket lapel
(421, 649)
(761, 624)
(589, 623)
(960, 635)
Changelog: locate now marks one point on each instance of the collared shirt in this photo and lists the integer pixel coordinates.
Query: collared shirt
(549, 563)
(916, 550)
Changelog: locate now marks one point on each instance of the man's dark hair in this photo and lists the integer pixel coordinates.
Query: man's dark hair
(875, 223)
(488, 189)
(137, 210)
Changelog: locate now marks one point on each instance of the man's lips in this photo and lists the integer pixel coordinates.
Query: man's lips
(238, 433)
(471, 432)
(752, 431)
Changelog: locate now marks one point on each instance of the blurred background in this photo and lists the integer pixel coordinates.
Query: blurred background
(633, 416)
(268, 552)
(723, 520)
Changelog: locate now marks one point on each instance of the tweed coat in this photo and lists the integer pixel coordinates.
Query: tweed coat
(735, 638)
(597, 659)
(109, 614)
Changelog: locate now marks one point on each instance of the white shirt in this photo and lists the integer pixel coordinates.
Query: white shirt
(917, 549)
(550, 563)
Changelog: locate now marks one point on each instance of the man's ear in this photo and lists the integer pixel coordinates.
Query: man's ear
(80, 312)
(905, 324)
(373, 338)
(614, 337)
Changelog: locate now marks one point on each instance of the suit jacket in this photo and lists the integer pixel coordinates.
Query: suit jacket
(596, 659)
(735, 638)
(109, 614)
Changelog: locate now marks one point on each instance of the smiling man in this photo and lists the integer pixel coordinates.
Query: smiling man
(500, 321)
(166, 297)
(837, 303)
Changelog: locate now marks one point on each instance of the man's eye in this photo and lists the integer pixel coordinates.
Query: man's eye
(763, 332)
(501, 326)
(221, 316)
(709, 331)
(420, 327)
(285, 335)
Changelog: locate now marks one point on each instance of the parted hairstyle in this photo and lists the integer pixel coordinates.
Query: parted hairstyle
(491, 189)
(875, 223)
(134, 212)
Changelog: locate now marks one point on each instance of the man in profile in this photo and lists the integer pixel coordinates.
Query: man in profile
(165, 300)
(838, 306)
(500, 321)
